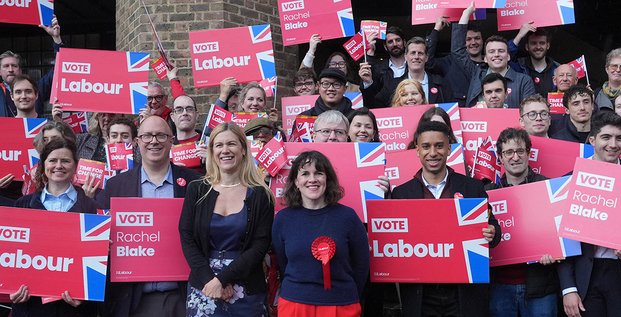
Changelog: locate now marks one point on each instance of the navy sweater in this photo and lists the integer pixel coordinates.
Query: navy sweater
(293, 233)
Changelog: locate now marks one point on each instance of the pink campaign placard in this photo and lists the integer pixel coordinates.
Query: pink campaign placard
(17, 149)
(145, 230)
(466, 3)
(530, 227)
(555, 158)
(544, 13)
(478, 124)
(245, 53)
(357, 165)
(427, 11)
(299, 19)
(402, 166)
(34, 12)
(293, 106)
(101, 81)
(591, 212)
(397, 125)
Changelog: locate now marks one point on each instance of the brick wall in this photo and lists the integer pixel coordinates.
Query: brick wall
(174, 19)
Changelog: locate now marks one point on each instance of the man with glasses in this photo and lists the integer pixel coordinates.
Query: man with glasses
(185, 117)
(157, 100)
(332, 87)
(156, 177)
(305, 82)
(330, 126)
(579, 103)
(535, 116)
(521, 289)
(611, 89)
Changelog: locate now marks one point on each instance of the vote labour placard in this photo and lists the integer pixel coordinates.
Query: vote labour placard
(530, 226)
(101, 81)
(402, 166)
(245, 53)
(427, 11)
(293, 106)
(407, 247)
(477, 124)
(544, 13)
(120, 156)
(357, 165)
(591, 211)
(185, 155)
(299, 19)
(397, 125)
(355, 47)
(272, 156)
(144, 230)
(33, 12)
(555, 158)
(53, 252)
(16, 148)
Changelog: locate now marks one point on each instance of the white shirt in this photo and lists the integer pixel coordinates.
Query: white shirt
(397, 70)
(424, 83)
(436, 190)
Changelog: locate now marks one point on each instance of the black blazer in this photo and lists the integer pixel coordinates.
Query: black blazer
(473, 298)
(34, 307)
(123, 298)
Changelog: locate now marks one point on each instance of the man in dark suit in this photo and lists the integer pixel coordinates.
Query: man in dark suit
(591, 282)
(155, 178)
(435, 180)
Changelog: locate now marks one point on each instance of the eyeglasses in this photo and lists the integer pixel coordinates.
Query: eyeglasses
(189, 109)
(615, 67)
(533, 115)
(326, 85)
(327, 132)
(160, 137)
(308, 84)
(157, 98)
(337, 64)
(510, 153)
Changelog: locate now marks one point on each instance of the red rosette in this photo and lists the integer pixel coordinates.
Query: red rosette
(323, 249)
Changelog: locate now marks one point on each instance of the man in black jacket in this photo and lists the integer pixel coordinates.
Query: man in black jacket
(436, 180)
(155, 178)
(332, 87)
(521, 289)
(577, 124)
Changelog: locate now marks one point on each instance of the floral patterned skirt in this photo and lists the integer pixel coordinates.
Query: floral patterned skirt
(240, 304)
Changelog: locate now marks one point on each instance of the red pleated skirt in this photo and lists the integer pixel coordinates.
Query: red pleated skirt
(293, 309)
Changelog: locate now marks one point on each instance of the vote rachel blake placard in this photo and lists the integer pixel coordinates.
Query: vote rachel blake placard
(145, 230)
(591, 213)
(411, 244)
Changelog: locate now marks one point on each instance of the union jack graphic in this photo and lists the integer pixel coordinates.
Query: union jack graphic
(499, 3)
(369, 190)
(346, 19)
(260, 33)
(476, 253)
(568, 247)
(269, 85)
(471, 211)
(46, 11)
(580, 65)
(266, 64)
(94, 227)
(137, 62)
(94, 270)
(32, 126)
(278, 138)
(33, 157)
(566, 11)
(356, 99)
(586, 151)
(457, 155)
(558, 188)
(370, 154)
(452, 109)
(138, 94)
(302, 133)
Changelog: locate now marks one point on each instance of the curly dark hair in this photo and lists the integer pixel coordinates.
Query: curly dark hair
(334, 192)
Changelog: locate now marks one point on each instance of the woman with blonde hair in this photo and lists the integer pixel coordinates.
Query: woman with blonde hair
(409, 92)
(225, 230)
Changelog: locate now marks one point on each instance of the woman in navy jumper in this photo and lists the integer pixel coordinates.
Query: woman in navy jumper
(55, 192)
(321, 245)
(225, 229)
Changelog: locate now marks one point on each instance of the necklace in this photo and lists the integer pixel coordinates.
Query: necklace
(230, 186)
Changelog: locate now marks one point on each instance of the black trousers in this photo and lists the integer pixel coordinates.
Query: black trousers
(603, 298)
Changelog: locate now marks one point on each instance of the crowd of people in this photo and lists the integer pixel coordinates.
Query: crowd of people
(229, 234)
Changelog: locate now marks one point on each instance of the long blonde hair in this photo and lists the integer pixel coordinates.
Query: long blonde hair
(396, 97)
(248, 174)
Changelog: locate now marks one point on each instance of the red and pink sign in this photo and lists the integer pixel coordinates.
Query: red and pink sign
(303, 130)
(530, 227)
(555, 158)
(273, 156)
(579, 64)
(34, 12)
(216, 116)
(293, 106)
(242, 118)
(101, 81)
(78, 121)
(355, 47)
(299, 19)
(17, 149)
(53, 252)
(406, 245)
(486, 165)
(92, 169)
(465, 3)
(478, 124)
(397, 125)
(120, 156)
(427, 11)
(372, 26)
(145, 230)
(544, 13)
(185, 155)
(245, 53)
(357, 165)
(402, 166)
(160, 68)
(555, 100)
(591, 212)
